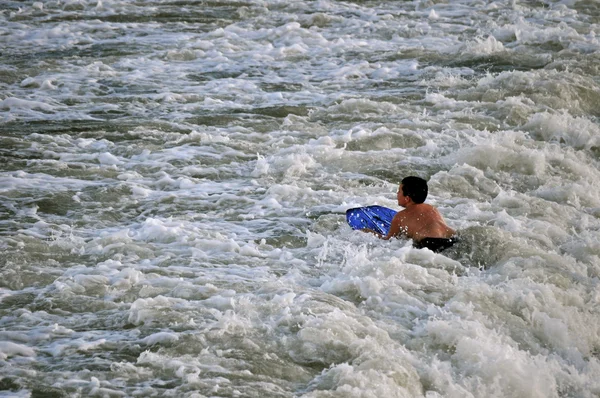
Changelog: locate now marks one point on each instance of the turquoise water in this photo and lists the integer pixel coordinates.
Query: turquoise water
(174, 177)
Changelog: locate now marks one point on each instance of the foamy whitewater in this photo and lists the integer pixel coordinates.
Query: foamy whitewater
(174, 177)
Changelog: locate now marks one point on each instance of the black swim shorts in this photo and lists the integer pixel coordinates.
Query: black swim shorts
(435, 244)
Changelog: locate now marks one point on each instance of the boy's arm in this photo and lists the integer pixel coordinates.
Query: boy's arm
(397, 228)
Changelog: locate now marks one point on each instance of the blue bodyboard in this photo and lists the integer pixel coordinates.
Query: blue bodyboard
(375, 218)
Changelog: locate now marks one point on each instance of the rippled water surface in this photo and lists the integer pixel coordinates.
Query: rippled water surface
(174, 177)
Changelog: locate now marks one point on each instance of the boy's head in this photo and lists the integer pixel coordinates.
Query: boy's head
(415, 188)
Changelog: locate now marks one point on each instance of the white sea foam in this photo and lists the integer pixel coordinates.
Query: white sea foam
(173, 191)
(13, 104)
(574, 131)
(8, 349)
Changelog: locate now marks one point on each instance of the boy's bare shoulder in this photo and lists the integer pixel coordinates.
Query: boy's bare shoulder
(421, 208)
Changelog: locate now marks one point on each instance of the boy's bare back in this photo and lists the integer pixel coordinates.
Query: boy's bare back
(420, 221)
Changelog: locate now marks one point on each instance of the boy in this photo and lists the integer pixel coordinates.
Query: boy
(418, 221)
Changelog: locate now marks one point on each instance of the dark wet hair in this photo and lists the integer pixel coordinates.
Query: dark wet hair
(415, 188)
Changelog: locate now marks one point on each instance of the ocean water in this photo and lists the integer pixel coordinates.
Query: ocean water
(174, 176)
